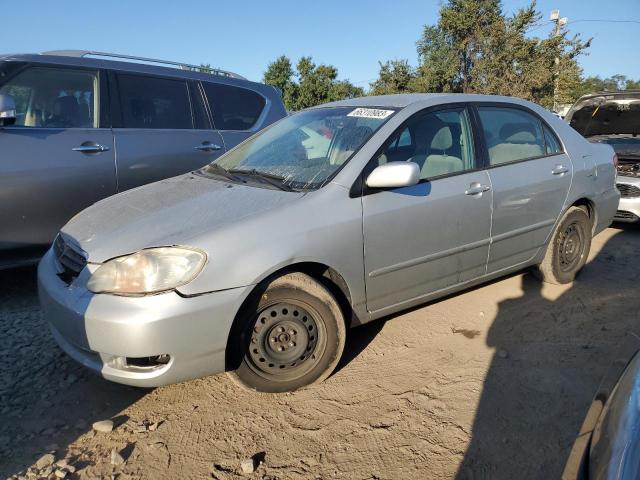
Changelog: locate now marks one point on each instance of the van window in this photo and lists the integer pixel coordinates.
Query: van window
(233, 108)
(150, 102)
(511, 134)
(55, 98)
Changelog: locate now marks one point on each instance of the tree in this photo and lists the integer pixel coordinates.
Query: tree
(309, 84)
(395, 76)
(475, 47)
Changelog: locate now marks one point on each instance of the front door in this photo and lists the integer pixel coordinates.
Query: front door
(56, 160)
(160, 134)
(422, 239)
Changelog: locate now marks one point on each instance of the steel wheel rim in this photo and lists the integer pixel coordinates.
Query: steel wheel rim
(571, 247)
(286, 341)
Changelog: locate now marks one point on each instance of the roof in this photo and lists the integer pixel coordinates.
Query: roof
(405, 99)
(78, 58)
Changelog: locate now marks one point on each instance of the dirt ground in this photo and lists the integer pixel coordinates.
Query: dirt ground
(490, 383)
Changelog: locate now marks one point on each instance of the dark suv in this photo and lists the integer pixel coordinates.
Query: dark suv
(79, 126)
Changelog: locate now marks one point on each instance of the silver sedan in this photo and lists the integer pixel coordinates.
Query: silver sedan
(333, 217)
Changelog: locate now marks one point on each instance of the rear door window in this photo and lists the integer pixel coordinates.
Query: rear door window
(155, 103)
(233, 108)
(511, 134)
(55, 98)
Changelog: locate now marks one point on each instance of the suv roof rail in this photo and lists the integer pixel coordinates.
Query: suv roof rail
(180, 65)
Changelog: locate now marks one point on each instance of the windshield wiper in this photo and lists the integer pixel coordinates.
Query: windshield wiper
(271, 179)
(215, 169)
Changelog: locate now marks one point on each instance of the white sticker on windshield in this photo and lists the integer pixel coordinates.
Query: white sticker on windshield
(370, 113)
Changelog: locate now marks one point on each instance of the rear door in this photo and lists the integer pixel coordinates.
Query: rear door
(237, 112)
(422, 239)
(161, 129)
(58, 158)
(530, 175)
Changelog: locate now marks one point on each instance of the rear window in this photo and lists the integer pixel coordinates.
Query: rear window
(158, 103)
(606, 115)
(233, 108)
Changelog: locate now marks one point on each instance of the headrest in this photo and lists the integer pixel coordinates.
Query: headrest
(442, 140)
(425, 132)
(66, 107)
(517, 133)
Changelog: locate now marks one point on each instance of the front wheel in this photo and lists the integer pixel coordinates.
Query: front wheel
(293, 337)
(568, 248)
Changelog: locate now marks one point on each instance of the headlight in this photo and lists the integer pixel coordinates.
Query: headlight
(147, 271)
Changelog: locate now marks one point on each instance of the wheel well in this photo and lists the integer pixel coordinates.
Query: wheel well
(327, 276)
(589, 206)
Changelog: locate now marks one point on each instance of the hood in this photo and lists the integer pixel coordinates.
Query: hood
(615, 113)
(175, 211)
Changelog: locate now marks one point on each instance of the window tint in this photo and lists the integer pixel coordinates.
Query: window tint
(55, 98)
(439, 142)
(233, 108)
(552, 142)
(148, 102)
(511, 134)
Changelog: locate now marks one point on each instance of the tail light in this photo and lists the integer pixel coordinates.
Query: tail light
(615, 160)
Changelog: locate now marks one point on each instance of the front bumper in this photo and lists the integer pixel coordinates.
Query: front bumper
(629, 207)
(101, 331)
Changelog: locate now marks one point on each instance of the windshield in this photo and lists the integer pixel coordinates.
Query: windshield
(606, 115)
(305, 149)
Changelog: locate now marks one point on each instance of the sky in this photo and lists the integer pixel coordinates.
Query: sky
(245, 36)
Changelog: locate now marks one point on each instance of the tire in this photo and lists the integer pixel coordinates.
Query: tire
(291, 337)
(568, 249)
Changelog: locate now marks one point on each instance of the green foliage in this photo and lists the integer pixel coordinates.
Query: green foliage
(396, 76)
(476, 48)
(309, 84)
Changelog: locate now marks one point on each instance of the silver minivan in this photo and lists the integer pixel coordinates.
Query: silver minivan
(79, 126)
(330, 218)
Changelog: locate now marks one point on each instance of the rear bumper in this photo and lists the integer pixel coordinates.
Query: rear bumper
(103, 331)
(629, 207)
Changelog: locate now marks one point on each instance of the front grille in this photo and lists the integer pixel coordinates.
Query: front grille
(628, 191)
(625, 216)
(70, 258)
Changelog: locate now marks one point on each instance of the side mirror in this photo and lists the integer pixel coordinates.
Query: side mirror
(394, 175)
(7, 110)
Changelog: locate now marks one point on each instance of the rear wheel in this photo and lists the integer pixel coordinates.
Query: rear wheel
(293, 337)
(568, 248)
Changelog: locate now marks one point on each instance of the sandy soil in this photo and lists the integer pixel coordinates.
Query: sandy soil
(490, 383)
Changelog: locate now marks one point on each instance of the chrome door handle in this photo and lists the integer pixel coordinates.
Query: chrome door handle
(559, 170)
(476, 189)
(208, 147)
(90, 148)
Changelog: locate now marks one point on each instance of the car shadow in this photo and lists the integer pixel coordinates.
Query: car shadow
(534, 379)
(46, 400)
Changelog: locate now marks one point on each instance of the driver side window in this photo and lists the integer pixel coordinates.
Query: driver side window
(440, 142)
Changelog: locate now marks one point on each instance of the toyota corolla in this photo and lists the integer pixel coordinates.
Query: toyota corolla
(332, 217)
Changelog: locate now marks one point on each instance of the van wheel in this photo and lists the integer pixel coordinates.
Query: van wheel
(568, 250)
(294, 336)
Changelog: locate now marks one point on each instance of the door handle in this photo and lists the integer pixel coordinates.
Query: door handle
(90, 148)
(559, 170)
(477, 189)
(208, 147)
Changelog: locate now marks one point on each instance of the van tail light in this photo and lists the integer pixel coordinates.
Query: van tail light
(615, 160)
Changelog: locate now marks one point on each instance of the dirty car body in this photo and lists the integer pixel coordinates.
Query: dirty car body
(614, 118)
(399, 200)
